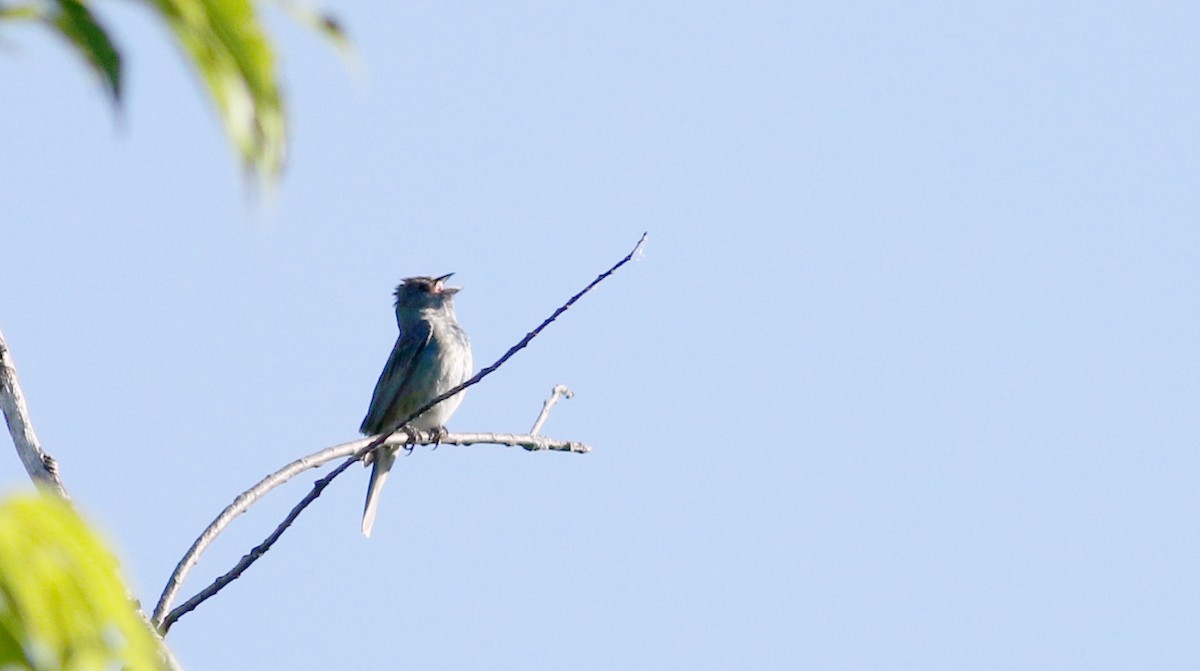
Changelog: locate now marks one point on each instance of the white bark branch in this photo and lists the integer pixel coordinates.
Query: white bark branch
(42, 468)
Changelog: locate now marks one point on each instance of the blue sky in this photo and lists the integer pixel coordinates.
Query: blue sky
(906, 378)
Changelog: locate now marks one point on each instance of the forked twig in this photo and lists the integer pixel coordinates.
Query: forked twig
(164, 621)
(318, 459)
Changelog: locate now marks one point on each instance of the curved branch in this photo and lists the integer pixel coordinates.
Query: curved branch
(317, 459)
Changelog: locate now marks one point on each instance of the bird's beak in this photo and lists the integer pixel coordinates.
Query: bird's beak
(441, 284)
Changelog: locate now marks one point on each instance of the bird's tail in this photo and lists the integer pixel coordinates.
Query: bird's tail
(383, 458)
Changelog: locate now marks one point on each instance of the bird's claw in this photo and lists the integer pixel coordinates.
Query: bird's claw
(411, 434)
(439, 434)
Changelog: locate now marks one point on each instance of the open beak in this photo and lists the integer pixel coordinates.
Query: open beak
(440, 283)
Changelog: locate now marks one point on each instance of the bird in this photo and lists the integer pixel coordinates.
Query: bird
(432, 355)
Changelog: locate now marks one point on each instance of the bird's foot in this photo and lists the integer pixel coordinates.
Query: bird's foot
(411, 433)
(439, 434)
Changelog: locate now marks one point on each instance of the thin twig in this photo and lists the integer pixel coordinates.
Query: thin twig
(559, 390)
(320, 485)
(41, 467)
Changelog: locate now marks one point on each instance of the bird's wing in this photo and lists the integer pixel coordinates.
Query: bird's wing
(395, 381)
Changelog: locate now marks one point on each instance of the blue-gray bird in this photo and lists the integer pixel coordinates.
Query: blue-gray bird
(431, 356)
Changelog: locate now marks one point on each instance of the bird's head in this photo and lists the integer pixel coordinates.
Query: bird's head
(419, 294)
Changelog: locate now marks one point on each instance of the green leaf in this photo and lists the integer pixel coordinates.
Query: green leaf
(226, 44)
(63, 604)
(75, 22)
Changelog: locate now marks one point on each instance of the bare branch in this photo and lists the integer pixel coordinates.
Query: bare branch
(559, 390)
(530, 442)
(42, 468)
(258, 551)
(318, 459)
